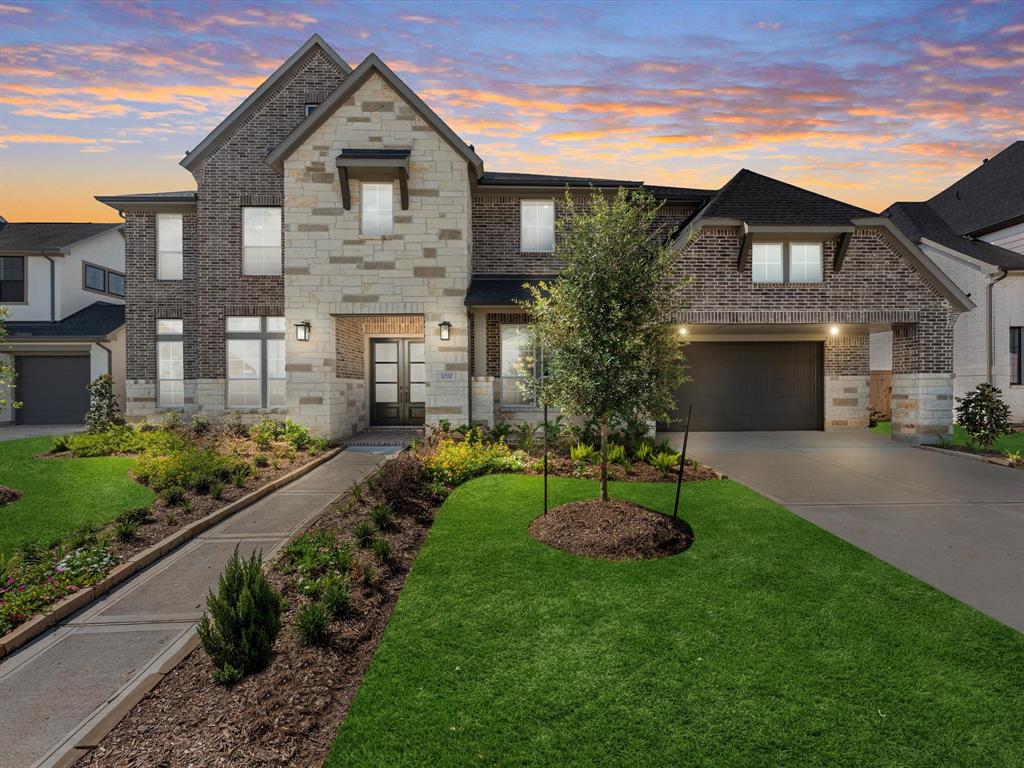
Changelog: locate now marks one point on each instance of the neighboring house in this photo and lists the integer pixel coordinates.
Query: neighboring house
(974, 232)
(64, 284)
(347, 261)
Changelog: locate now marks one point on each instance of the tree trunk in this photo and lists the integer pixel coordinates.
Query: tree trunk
(604, 458)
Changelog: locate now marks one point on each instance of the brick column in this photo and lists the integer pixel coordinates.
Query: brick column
(922, 380)
(847, 382)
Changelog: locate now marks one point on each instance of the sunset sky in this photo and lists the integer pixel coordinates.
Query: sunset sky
(869, 102)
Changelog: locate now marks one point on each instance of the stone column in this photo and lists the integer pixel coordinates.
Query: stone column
(922, 381)
(847, 382)
(483, 400)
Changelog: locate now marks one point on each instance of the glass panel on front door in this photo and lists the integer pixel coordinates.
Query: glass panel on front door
(398, 387)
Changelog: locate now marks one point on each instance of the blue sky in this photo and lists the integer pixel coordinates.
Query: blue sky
(868, 102)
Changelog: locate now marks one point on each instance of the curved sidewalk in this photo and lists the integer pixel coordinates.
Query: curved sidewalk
(63, 691)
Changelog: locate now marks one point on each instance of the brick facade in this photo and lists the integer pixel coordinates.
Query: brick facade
(352, 331)
(494, 322)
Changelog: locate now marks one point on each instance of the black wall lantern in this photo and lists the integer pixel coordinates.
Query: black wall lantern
(302, 330)
(446, 330)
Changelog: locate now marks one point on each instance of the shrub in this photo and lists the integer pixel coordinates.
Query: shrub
(365, 534)
(261, 461)
(171, 420)
(200, 424)
(316, 553)
(616, 453)
(83, 536)
(232, 424)
(217, 490)
(138, 515)
(335, 595)
(381, 549)
(584, 453)
(643, 452)
(312, 623)
(501, 430)
(239, 474)
(381, 516)
(126, 530)
(525, 437)
(665, 462)
(243, 619)
(298, 435)
(1014, 457)
(61, 443)
(104, 410)
(400, 483)
(173, 495)
(264, 432)
(454, 463)
(983, 415)
(188, 468)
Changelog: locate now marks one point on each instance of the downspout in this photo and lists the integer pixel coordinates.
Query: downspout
(469, 367)
(53, 289)
(110, 358)
(990, 330)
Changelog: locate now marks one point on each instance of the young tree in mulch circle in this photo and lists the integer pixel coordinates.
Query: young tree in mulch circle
(104, 409)
(983, 415)
(609, 351)
(7, 373)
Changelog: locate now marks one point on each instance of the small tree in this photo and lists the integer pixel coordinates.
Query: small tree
(7, 372)
(104, 409)
(603, 324)
(983, 415)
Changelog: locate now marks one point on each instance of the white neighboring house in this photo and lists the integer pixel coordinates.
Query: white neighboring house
(974, 232)
(64, 285)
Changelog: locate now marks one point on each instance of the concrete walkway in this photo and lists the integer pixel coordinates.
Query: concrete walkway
(955, 523)
(19, 431)
(62, 685)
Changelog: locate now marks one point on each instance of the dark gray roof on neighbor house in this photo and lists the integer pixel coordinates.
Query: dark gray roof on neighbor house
(500, 179)
(989, 197)
(499, 290)
(183, 196)
(47, 237)
(97, 321)
(920, 221)
(761, 200)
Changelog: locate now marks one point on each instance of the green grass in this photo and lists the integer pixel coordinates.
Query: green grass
(770, 642)
(61, 494)
(1014, 442)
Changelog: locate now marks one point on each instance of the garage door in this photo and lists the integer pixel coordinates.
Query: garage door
(752, 386)
(52, 389)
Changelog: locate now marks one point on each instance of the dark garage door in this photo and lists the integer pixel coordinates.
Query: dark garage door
(52, 390)
(752, 386)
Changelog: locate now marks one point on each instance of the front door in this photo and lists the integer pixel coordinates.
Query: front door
(397, 382)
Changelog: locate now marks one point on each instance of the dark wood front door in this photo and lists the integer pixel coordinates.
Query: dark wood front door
(397, 382)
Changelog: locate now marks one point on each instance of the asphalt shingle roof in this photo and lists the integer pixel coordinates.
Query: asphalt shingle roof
(762, 200)
(989, 195)
(500, 290)
(97, 320)
(921, 221)
(182, 196)
(47, 236)
(499, 179)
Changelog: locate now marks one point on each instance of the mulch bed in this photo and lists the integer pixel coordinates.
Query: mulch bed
(7, 495)
(286, 715)
(611, 530)
(560, 466)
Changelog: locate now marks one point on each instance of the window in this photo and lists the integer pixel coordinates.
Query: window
(168, 246)
(115, 284)
(537, 226)
(256, 376)
(261, 241)
(377, 205)
(102, 280)
(767, 263)
(805, 262)
(1016, 356)
(12, 278)
(517, 360)
(310, 109)
(170, 363)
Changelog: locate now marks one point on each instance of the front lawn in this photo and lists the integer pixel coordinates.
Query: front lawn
(1012, 442)
(769, 642)
(60, 494)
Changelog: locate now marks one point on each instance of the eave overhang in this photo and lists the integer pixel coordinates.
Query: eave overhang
(377, 161)
(184, 203)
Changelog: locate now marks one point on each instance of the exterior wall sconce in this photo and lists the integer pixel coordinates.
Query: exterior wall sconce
(302, 330)
(446, 330)
(684, 331)
(834, 330)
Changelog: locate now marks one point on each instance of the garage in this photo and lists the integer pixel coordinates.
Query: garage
(755, 385)
(52, 389)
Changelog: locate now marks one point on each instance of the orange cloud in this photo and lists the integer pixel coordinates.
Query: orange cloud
(5, 8)
(42, 138)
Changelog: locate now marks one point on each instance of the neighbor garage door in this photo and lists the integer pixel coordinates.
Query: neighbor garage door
(752, 386)
(52, 390)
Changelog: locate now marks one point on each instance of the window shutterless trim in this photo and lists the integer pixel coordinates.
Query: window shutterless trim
(107, 272)
(23, 281)
(263, 336)
(1017, 340)
(180, 254)
(169, 337)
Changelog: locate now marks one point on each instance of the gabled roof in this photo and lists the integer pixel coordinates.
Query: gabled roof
(920, 221)
(501, 179)
(763, 201)
(988, 198)
(96, 321)
(47, 237)
(244, 109)
(370, 65)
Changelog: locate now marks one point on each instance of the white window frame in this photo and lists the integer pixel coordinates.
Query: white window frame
(170, 338)
(261, 240)
(377, 208)
(170, 262)
(310, 108)
(536, 226)
(795, 275)
(509, 392)
(759, 269)
(269, 332)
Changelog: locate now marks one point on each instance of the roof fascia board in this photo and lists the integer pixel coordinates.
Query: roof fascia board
(159, 206)
(931, 271)
(246, 107)
(815, 229)
(1005, 224)
(978, 264)
(29, 252)
(370, 65)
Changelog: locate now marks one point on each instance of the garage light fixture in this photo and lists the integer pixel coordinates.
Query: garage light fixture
(834, 330)
(446, 330)
(302, 330)
(684, 331)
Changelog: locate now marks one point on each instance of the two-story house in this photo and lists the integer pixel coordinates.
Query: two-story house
(346, 260)
(64, 286)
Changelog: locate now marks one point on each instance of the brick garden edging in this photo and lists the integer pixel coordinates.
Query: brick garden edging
(63, 608)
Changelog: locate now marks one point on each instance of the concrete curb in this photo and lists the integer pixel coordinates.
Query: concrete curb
(964, 455)
(63, 608)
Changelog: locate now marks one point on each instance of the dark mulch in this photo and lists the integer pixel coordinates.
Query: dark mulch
(286, 715)
(7, 495)
(560, 466)
(611, 530)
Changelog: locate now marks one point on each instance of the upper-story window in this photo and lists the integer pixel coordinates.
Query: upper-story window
(310, 108)
(786, 263)
(102, 280)
(12, 279)
(537, 226)
(377, 208)
(261, 241)
(169, 261)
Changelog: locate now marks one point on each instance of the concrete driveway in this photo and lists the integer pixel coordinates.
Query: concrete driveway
(16, 432)
(952, 522)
